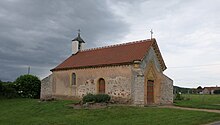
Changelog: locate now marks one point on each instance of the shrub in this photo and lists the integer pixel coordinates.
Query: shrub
(7, 90)
(28, 86)
(179, 97)
(102, 98)
(98, 98)
(89, 98)
(217, 91)
(0, 87)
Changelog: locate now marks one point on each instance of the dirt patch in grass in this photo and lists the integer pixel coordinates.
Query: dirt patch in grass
(89, 105)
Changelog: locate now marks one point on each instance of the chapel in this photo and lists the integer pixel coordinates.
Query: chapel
(130, 73)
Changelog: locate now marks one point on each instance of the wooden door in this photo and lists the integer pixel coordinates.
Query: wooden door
(150, 92)
(101, 86)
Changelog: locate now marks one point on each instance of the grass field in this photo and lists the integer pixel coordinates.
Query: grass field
(200, 101)
(32, 112)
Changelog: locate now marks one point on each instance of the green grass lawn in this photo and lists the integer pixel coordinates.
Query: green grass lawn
(200, 101)
(32, 112)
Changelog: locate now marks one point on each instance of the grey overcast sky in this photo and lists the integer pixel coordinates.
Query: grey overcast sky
(38, 33)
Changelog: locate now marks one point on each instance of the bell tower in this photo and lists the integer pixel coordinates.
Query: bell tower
(78, 44)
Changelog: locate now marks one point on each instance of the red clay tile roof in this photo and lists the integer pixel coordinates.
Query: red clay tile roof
(211, 88)
(110, 55)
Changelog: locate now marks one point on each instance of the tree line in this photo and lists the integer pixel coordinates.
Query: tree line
(25, 86)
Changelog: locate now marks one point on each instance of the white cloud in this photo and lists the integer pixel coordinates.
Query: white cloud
(187, 33)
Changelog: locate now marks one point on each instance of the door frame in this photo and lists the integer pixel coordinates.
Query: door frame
(149, 84)
(98, 86)
(150, 75)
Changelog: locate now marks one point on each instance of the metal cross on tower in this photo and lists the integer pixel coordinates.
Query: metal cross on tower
(151, 33)
(78, 31)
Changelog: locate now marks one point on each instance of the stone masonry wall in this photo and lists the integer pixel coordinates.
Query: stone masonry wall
(46, 88)
(166, 90)
(140, 75)
(150, 69)
(137, 89)
(117, 82)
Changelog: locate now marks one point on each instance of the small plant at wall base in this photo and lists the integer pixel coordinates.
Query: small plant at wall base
(89, 98)
(102, 98)
(98, 98)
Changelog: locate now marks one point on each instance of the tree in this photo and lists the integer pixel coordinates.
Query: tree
(28, 86)
(199, 88)
(216, 92)
(7, 90)
(0, 87)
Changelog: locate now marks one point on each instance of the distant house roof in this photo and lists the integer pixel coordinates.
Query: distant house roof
(211, 88)
(119, 54)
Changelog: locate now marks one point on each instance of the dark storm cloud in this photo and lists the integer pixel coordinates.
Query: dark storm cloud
(38, 33)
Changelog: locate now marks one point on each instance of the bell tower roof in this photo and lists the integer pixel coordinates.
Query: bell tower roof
(78, 38)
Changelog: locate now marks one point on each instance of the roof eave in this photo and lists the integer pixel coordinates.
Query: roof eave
(92, 66)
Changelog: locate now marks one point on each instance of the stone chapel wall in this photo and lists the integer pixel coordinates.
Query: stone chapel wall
(166, 90)
(46, 88)
(117, 82)
(140, 75)
(150, 70)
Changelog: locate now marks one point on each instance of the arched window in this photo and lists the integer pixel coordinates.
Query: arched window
(74, 79)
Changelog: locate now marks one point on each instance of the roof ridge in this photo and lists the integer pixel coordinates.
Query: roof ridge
(212, 87)
(115, 45)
